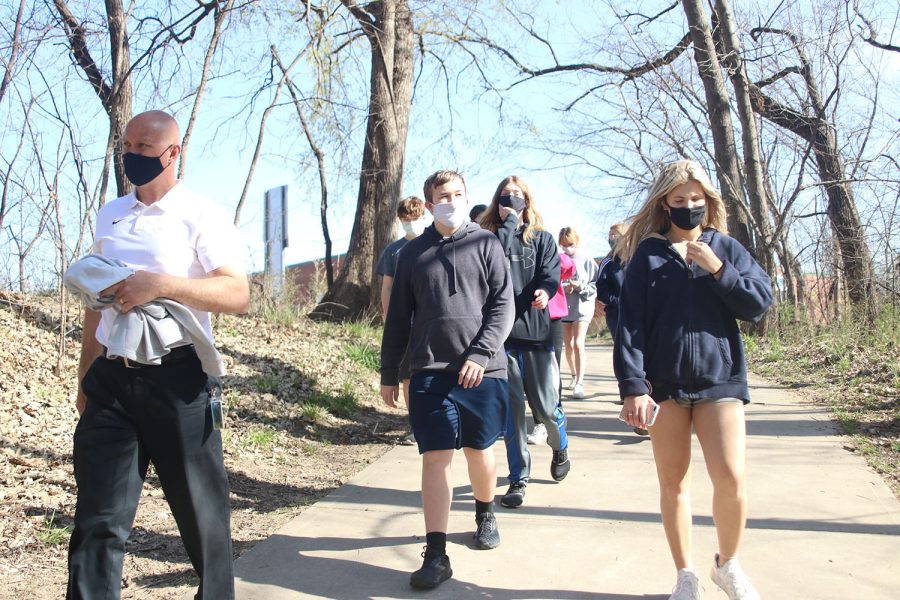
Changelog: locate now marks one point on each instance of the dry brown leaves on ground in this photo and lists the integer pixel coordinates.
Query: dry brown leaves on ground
(304, 417)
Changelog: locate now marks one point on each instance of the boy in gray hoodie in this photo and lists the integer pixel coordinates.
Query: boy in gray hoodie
(452, 302)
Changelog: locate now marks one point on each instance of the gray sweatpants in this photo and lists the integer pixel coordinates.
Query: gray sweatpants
(533, 372)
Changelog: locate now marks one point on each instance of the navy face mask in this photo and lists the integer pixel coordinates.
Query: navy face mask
(141, 170)
(687, 218)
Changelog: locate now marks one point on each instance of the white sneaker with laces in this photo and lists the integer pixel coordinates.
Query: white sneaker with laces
(732, 580)
(687, 587)
(578, 392)
(537, 436)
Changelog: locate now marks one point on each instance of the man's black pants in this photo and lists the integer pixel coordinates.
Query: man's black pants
(135, 416)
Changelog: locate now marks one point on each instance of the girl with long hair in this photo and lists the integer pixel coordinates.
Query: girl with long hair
(532, 367)
(678, 345)
(581, 293)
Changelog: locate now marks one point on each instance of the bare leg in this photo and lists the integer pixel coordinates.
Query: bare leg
(482, 473)
(671, 437)
(436, 490)
(406, 393)
(568, 341)
(722, 434)
(579, 333)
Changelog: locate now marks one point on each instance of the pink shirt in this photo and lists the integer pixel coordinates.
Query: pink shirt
(557, 305)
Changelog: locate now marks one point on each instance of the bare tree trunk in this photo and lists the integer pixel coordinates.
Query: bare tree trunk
(753, 164)
(855, 259)
(221, 13)
(728, 169)
(388, 27)
(262, 133)
(320, 162)
(116, 97)
(13, 52)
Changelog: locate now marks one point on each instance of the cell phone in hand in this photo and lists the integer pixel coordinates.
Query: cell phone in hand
(654, 410)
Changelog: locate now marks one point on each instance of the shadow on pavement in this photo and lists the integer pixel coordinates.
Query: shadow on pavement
(315, 576)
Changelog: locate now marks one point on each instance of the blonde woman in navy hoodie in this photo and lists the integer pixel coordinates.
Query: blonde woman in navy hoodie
(678, 345)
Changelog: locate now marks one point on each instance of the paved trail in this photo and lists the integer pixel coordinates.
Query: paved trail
(821, 525)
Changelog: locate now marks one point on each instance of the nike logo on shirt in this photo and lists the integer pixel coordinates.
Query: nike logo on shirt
(117, 220)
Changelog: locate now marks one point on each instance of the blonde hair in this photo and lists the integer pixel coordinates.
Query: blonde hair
(652, 218)
(568, 236)
(410, 208)
(490, 218)
(439, 178)
(621, 229)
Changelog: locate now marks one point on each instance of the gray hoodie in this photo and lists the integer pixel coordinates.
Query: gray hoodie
(451, 301)
(147, 332)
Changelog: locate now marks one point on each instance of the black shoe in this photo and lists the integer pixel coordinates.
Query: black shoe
(487, 535)
(435, 571)
(515, 495)
(559, 466)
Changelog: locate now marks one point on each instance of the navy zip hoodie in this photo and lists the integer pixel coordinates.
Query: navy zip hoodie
(609, 285)
(678, 335)
(451, 301)
(533, 266)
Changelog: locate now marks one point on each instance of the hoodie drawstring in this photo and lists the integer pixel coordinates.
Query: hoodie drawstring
(453, 244)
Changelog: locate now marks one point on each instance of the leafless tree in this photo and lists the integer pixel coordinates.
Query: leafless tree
(387, 25)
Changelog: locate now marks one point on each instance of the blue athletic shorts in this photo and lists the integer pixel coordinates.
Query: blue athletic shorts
(446, 416)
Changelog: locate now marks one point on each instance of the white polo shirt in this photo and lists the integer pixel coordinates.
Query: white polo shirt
(182, 234)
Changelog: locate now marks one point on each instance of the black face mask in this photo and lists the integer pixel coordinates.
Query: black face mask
(141, 170)
(513, 202)
(687, 218)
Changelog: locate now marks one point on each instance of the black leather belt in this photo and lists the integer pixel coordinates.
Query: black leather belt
(179, 353)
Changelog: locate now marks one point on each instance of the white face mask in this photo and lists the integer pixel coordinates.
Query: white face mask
(414, 228)
(450, 214)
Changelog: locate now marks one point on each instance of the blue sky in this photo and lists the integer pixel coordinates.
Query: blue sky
(454, 124)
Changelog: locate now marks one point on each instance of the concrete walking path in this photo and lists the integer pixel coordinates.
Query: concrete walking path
(822, 525)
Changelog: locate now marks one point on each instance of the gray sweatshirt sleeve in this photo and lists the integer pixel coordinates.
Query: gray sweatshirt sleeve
(397, 324)
(498, 308)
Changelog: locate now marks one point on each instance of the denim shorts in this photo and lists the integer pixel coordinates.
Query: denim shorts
(691, 402)
(446, 416)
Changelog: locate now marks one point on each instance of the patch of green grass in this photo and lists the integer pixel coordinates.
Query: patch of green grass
(52, 534)
(309, 449)
(341, 404)
(843, 364)
(362, 330)
(344, 404)
(265, 383)
(895, 445)
(262, 438)
(775, 350)
(847, 421)
(280, 315)
(364, 354)
(314, 412)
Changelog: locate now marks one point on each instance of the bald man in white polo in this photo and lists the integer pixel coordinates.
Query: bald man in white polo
(182, 247)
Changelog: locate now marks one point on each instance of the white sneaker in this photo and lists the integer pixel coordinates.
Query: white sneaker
(537, 436)
(732, 580)
(578, 391)
(687, 587)
(572, 382)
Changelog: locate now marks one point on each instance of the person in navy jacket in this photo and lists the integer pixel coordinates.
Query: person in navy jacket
(678, 345)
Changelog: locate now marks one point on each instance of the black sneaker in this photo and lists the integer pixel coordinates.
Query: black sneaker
(559, 466)
(487, 535)
(435, 570)
(515, 495)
